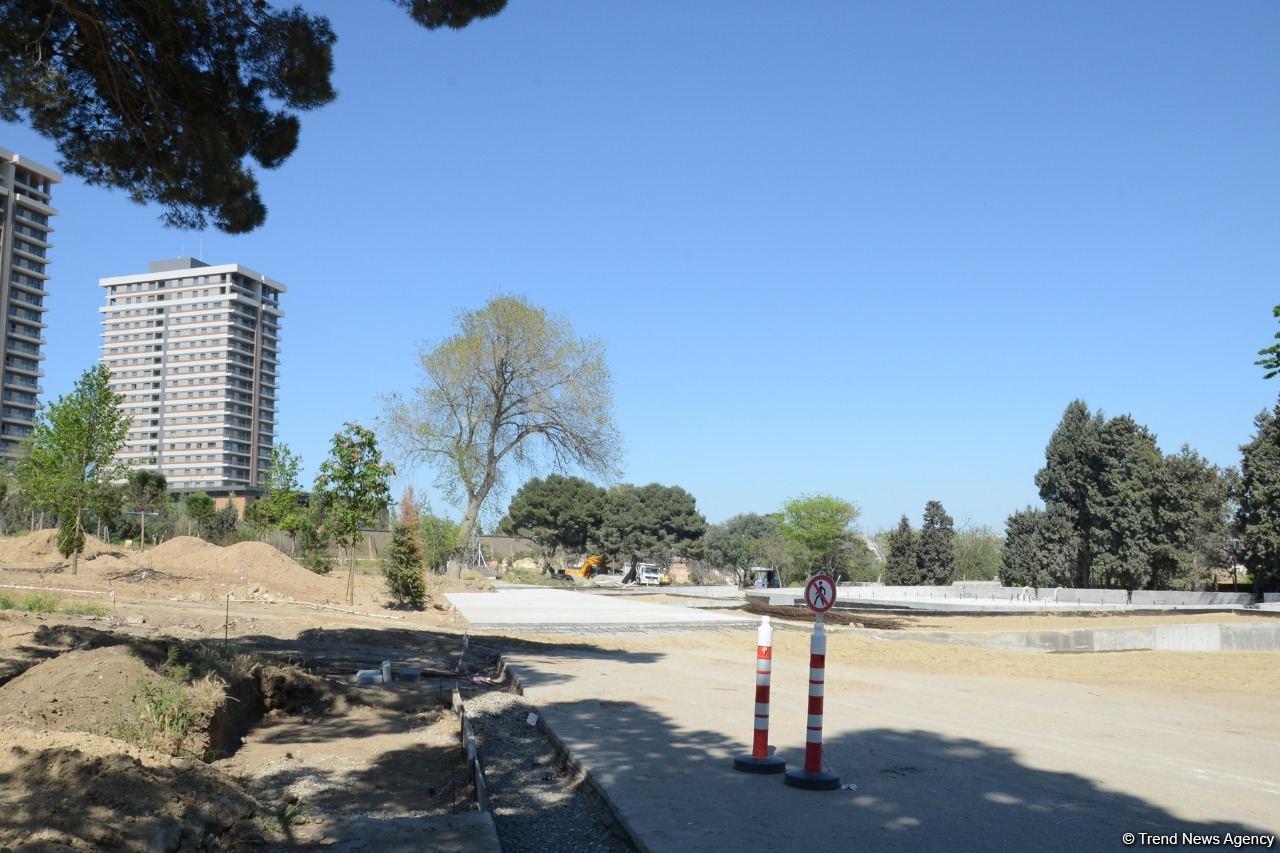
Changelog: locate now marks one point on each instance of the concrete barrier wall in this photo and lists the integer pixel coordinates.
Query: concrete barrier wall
(1271, 597)
(957, 596)
(1250, 638)
(1162, 638)
(1068, 595)
(1158, 596)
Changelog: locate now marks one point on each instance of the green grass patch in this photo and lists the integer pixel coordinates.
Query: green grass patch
(84, 608)
(7, 602)
(39, 602)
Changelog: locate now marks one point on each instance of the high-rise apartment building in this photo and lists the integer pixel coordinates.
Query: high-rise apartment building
(194, 349)
(24, 257)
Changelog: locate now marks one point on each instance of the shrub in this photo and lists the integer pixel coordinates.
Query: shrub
(317, 561)
(40, 602)
(163, 713)
(402, 567)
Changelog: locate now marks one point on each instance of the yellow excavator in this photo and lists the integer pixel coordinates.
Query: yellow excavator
(587, 569)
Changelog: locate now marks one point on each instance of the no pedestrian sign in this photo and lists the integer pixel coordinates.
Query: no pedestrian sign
(820, 593)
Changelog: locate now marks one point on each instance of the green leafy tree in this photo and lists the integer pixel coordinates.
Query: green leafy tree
(556, 513)
(353, 486)
(147, 492)
(936, 551)
(168, 100)
(70, 454)
(859, 562)
(439, 537)
(1040, 549)
(1270, 361)
(1257, 495)
(314, 537)
(821, 524)
(512, 387)
(224, 527)
(900, 565)
(652, 522)
(105, 505)
(280, 506)
(979, 553)
(201, 509)
(744, 541)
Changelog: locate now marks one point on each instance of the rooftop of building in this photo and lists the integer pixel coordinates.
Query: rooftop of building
(184, 267)
(7, 156)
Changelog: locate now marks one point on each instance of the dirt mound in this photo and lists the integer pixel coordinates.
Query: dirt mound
(80, 690)
(40, 550)
(289, 690)
(253, 569)
(186, 551)
(75, 791)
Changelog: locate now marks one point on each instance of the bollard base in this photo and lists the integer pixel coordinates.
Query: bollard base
(751, 764)
(812, 781)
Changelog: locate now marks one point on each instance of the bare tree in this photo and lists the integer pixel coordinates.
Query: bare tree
(513, 387)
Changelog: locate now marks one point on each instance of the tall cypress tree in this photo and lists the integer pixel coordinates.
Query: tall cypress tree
(1136, 518)
(936, 553)
(900, 568)
(1072, 463)
(1258, 500)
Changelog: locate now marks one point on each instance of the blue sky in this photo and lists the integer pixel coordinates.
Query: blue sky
(865, 249)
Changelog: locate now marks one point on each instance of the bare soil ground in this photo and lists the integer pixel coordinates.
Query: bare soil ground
(374, 754)
(76, 791)
(186, 568)
(321, 766)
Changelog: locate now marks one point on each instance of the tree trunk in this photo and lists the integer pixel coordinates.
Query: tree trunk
(75, 554)
(469, 521)
(142, 537)
(351, 573)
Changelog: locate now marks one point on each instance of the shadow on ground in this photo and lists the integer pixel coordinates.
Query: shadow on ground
(342, 651)
(915, 790)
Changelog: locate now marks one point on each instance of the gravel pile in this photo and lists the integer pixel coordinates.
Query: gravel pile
(538, 803)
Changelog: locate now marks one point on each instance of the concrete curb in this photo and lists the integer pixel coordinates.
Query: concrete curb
(505, 671)
(606, 628)
(473, 751)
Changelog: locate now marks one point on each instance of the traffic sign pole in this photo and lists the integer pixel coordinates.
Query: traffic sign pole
(820, 595)
(760, 761)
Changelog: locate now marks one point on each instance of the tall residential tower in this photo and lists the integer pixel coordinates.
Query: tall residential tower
(24, 248)
(194, 350)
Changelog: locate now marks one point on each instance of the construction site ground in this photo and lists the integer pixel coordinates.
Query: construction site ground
(939, 747)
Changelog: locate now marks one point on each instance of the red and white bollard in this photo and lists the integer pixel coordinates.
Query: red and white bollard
(760, 761)
(813, 777)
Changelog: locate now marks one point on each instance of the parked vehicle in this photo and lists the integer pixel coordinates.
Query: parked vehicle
(650, 575)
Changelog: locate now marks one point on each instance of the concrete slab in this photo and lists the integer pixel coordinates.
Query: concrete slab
(937, 762)
(554, 610)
